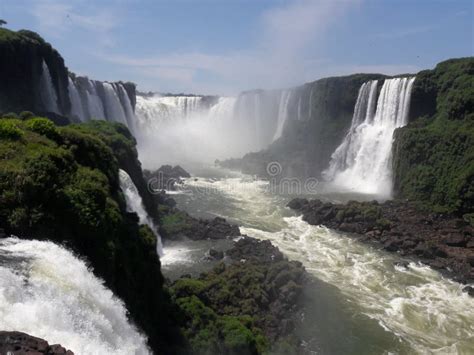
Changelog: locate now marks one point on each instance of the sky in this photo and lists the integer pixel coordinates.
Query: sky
(226, 46)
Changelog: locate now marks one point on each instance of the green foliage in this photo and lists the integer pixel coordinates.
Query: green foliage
(24, 115)
(43, 126)
(434, 155)
(66, 190)
(10, 115)
(9, 129)
(174, 223)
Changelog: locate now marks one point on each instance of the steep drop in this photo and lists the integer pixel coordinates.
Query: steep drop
(135, 204)
(48, 292)
(362, 162)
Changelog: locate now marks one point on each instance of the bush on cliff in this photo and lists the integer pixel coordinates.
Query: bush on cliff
(61, 183)
(434, 155)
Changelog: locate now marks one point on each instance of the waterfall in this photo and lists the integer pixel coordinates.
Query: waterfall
(48, 93)
(135, 204)
(48, 292)
(282, 112)
(127, 107)
(93, 102)
(362, 162)
(91, 99)
(113, 107)
(76, 104)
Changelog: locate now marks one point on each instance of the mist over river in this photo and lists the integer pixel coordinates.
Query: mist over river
(362, 300)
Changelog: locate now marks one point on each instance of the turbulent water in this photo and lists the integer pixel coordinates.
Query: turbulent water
(135, 204)
(364, 303)
(363, 160)
(47, 292)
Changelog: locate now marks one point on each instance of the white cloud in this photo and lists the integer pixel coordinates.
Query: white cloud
(279, 59)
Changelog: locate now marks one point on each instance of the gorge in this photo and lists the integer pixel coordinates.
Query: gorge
(95, 259)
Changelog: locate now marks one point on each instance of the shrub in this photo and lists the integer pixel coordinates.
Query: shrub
(24, 115)
(9, 130)
(44, 127)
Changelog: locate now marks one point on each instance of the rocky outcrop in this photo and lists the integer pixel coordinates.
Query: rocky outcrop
(165, 178)
(176, 224)
(442, 241)
(17, 343)
(256, 294)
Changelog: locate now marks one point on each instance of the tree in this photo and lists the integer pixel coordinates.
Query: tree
(2, 22)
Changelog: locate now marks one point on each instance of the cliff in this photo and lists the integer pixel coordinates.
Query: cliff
(61, 184)
(319, 115)
(21, 58)
(433, 156)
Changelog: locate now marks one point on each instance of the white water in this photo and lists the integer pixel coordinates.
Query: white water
(428, 313)
(362, 162)
(87, 103)
(48, 93)
(113, 107)
(47, 292)
(76, 104)
(135, 204)
(282, 113)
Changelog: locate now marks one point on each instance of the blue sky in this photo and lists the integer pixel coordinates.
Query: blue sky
(224, 46)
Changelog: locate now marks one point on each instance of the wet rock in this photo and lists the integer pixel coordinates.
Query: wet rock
(213, 254)
(455, 240)
(22, 343)
(297, 203)
(398, 226)
(469, 290)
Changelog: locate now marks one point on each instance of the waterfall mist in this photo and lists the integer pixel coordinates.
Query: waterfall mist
(200, 129)
(362, 162)
(48, 292)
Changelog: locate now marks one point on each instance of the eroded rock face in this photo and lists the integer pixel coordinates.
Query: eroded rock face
(444, 242)
(17, 343)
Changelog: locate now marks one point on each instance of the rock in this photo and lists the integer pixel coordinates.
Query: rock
(22, 343)
(469, 290)
(455, 240)
(213, 254)
(2, 233)
(297, 203)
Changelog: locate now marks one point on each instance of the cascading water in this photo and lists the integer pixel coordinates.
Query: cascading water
(48, 292)
(48, 93)
(113, 106)
(103, 101)
(362, 162)
(76, 104)
(135, 204)
(282, 113)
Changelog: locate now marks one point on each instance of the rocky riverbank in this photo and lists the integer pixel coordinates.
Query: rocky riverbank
(22, 343)
(444, 242)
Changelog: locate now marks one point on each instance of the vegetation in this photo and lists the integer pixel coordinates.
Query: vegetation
(434, 154)
(61, 184)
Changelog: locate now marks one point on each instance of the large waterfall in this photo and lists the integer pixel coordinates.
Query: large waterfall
(135, 204)
(362, 163)
(204, 128)
(90, 99)
(48, 292)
